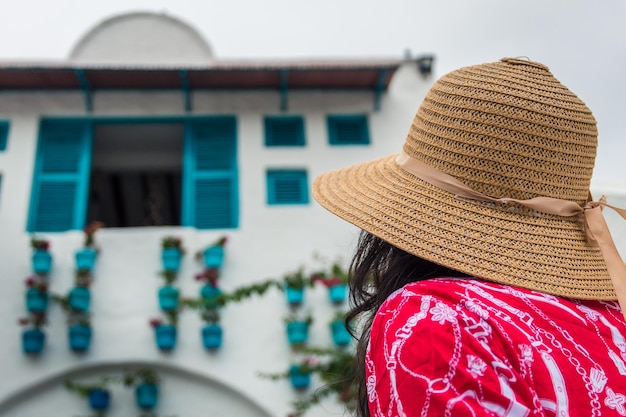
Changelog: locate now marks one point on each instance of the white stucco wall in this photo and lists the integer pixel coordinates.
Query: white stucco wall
(271, 241)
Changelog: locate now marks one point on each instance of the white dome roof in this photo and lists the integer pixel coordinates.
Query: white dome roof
(142, 38)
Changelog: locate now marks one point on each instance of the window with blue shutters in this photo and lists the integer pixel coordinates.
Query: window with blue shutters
(284, 131)
(348, 129)
(135, 172)
(4, 134)
(287, 187)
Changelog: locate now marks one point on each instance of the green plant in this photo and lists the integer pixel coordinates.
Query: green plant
(33, 320)
(296, 316)
(174, 242)
(75, 318)
(169, 276)
(210, 315)
(89, 231)
(221, 241)
(297, 280)
(171, 318)
(140, 376)
(83, 278)
(39, 244)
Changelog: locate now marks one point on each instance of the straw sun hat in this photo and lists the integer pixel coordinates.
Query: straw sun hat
(508, 130)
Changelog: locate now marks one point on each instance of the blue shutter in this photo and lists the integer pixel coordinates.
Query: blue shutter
(287, 187)
(4, 134)
(284, 131)
(61, 178)
(210, 195)
(348, 130)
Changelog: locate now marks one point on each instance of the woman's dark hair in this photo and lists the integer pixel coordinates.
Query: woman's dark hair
(377, 270)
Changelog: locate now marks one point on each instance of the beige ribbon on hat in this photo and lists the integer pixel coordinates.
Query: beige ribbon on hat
(595, 225)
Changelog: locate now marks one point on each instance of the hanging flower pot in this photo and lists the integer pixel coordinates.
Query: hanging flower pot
(171, 258)
(209, 293)
(36, 300)
(295, 296)
(33, 341)
(79, 337)
(297, 332)
(85, 258)
(165, 336)
(212, 336)
(299, 380)
(99, 399)
(146, 396)
(337, 293)
(79, 299)
(42, 261)
(168, 298)
(341, 336)
(213, 256)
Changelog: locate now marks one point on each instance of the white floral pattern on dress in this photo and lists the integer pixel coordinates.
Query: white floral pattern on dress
(476, 366)
(615, 401)
(442, 313)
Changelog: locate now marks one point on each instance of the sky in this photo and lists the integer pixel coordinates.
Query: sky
(582, 41)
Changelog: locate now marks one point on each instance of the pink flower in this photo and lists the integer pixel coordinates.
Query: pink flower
(155, 322)
(30, 281)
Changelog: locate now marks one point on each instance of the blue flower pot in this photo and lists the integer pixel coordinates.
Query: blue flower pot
(214, 256)
(42, 261)
(341, 335)
(79, 338)
(212, 336)
(36, 300)
(208, 294)
(79, 299)
(33, 340)
(337, 293)
(297, 332)
(299, 380)
(99, 399)
(165, 335)
(171, 259)
(85, 258)
(168, 298)
(146, 396)
(295, 296)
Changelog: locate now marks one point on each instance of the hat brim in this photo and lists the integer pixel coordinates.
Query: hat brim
(503, 243)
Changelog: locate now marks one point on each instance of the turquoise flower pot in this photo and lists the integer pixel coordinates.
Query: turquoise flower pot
(297, 332)
(212, 336)
(171, 258)
(79, 299)
(337, 293)
(33, 341)
(208, 294)
(214, 256)
(79, 338)
(36, 300)
(165, 336)
(295, 296)
(299, 380)
(146, 396)
(86, 258)
(168, 298)
(341, 336)
(99, 399)
(42, 261)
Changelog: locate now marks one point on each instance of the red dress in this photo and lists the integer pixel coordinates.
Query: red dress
(464, 347)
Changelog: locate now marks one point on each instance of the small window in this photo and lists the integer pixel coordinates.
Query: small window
(287, 187)
(348, 130)
(284, 131)
(4, 134)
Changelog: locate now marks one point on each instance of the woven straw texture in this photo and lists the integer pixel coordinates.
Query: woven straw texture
(505, 129)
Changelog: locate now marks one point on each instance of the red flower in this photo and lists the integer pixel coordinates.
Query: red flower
(209, 274)
(23, 321)
(332, 282)
(155, 322)
(30, 281)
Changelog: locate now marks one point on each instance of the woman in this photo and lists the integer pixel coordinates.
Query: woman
(485, 275)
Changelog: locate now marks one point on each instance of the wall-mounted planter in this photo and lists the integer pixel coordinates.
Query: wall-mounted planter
(212, 336)
(165, 336)
(86, 258)
(79, 338)
(297, 332)
(337, 293)
(208, 294)
(171, 259)
(214, 256)
(33, 341)
(42, 261)
(341, 336)
(79, 299)
(36, 300)
(295, 296)
(146, 396)
(299, 380)
(99, 399)
(168, 298)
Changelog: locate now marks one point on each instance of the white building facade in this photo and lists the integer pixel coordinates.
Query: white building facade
(144, 130)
